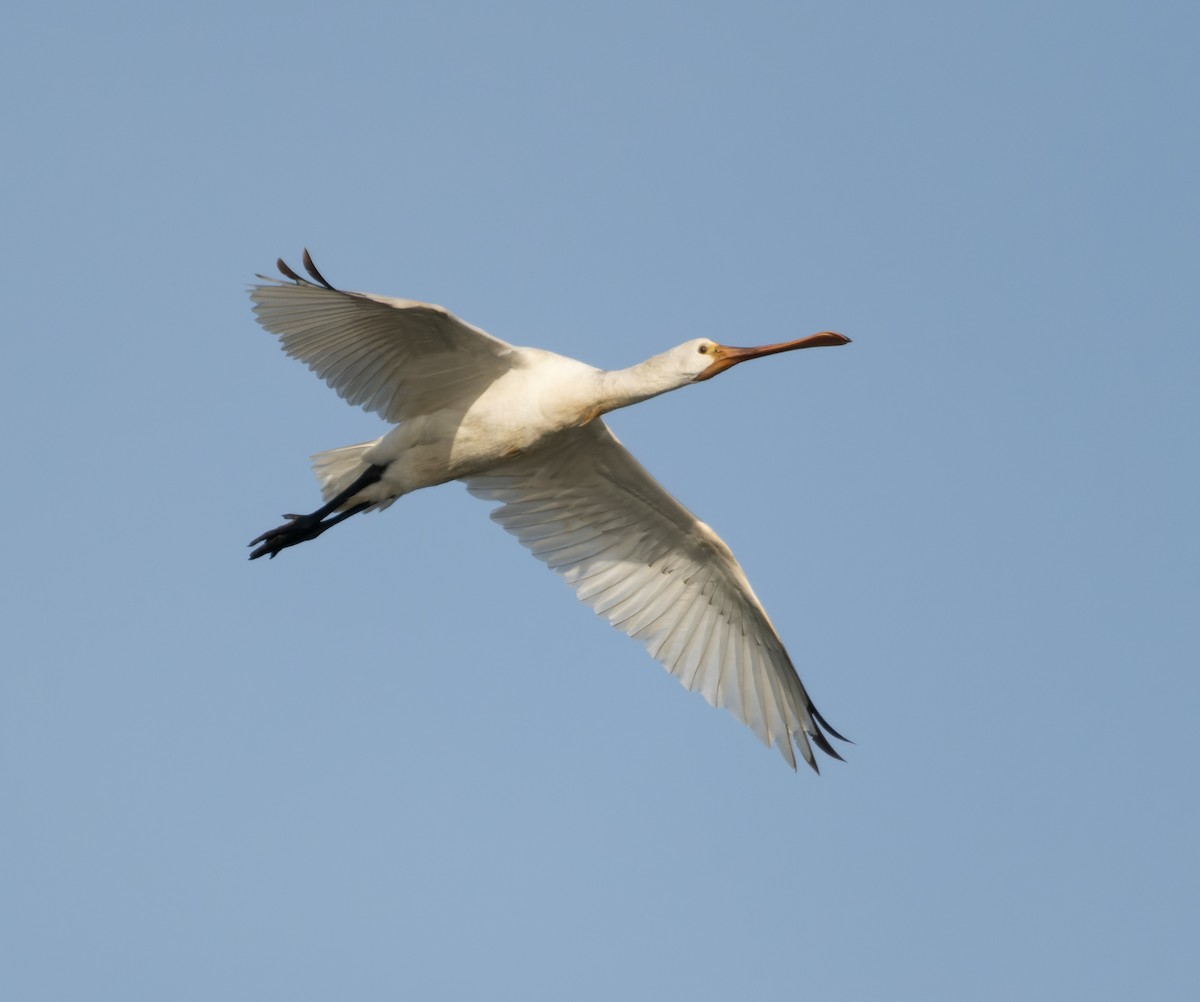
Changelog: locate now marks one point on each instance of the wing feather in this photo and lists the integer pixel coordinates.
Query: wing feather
(394, 357)
(586, 508)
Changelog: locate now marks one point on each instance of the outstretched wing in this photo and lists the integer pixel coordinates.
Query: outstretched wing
(591, 512)
(395, 357)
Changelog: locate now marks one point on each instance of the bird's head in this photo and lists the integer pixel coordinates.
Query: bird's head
(704, 358)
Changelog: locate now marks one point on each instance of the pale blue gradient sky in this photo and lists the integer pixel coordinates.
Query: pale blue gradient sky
(403, 761)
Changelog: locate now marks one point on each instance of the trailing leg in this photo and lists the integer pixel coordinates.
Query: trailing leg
(299, 528)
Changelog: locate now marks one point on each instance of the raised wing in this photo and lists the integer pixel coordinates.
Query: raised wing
(395, 357)
(588, 510)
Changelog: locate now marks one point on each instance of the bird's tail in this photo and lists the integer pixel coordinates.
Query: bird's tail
(337, 469)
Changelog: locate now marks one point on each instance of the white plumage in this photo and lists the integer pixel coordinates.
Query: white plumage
(522, 427)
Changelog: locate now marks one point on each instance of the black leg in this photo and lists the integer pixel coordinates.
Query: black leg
(299, 528)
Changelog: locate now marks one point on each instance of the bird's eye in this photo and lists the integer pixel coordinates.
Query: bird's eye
(703, 349)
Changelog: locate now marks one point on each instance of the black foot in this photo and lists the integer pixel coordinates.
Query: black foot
(297, 529)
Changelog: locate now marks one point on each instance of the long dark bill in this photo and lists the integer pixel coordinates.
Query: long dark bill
(726, 356)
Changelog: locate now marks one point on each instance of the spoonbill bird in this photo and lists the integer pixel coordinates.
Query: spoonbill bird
(522, 426)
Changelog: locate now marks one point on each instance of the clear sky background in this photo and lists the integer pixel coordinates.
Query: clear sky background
(403, 761)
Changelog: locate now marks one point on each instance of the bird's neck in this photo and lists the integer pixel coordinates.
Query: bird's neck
(622, 387)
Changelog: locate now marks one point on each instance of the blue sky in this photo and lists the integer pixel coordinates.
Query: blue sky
(402, 760)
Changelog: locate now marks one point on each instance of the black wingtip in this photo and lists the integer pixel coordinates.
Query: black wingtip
(287, 272)
(816, 715)
(822, 742)
(312, 270)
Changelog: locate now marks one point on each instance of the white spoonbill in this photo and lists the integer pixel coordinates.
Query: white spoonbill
(522, 426)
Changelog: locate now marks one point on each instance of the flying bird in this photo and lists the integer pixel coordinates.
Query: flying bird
(523, 427)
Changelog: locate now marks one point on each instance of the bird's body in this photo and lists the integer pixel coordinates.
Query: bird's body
(526, 408)
(522, 426)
